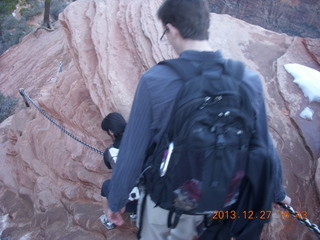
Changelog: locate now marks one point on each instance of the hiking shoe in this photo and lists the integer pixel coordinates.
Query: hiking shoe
(133, 216)
(106, 223)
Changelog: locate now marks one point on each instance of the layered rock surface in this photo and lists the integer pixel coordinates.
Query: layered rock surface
(50, 183)
(293, 17)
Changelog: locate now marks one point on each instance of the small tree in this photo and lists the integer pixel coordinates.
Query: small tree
(6, 8)
(7, 106)
(46, 18)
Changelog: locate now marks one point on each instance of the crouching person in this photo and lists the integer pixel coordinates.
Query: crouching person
(114, 124)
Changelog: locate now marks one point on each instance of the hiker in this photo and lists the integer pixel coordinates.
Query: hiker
(186, 24)
(114, 124)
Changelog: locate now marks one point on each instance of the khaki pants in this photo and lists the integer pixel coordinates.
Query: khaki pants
(155, 224)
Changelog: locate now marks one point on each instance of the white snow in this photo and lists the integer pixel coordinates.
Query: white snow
(308, 80)
(26, 236)
(307, 113)
(4, 222)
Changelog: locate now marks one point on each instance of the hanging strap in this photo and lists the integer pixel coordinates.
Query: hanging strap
(143, 205)
(172, 224)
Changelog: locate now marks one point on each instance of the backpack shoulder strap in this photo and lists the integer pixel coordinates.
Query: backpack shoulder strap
(234, 68)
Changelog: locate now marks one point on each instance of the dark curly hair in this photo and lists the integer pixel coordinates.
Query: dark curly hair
(114, 124)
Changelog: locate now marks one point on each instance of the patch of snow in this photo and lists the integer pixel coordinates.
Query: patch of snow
(4, 223)
(308, 80)
(27, 236)
(307, 113)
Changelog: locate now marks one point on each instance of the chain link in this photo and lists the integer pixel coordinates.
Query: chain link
(26, 98)
(305, 221)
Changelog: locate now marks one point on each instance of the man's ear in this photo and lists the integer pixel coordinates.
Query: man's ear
(172, 30)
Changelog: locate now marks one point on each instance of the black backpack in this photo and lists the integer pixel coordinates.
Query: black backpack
(200, 161)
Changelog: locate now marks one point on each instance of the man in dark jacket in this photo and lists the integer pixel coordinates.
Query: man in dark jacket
(186, 24)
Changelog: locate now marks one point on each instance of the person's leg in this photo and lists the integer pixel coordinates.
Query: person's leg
(217, 231)
(104, 193)
(105, 188)
(155, 219)
(186, 228)
(220, 230)
(252, 234)
(105, 205)
(154, 222)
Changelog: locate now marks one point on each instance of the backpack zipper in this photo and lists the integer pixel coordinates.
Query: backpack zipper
(206, 100)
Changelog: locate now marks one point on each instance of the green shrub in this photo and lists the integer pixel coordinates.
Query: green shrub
(9, 22)
(13, 36)
(33, 10)
(7, 106)
(7, 7)
(56, 8)
(13, 30)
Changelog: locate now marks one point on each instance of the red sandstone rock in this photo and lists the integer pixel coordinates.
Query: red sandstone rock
(294, 17)
(50, 184)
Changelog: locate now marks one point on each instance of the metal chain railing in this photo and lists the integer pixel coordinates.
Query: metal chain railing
(27, 99)
(305, 221)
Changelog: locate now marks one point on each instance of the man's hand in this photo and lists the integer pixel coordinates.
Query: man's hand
(115, 217)
(286, 200)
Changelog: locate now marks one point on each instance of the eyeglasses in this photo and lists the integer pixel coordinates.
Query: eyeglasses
(164, 33)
